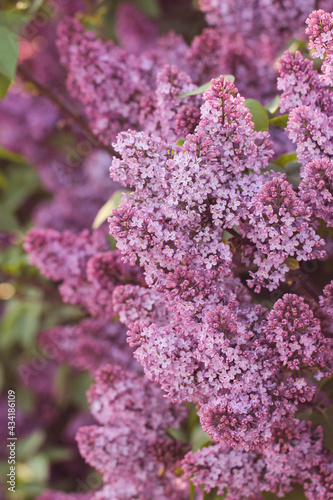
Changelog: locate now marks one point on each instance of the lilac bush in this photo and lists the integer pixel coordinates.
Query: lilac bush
(196, 315)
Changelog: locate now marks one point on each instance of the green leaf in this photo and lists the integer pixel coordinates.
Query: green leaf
(39, 468)
(70, 388)
(279, 121)
(13, 259)
(177, 434)
(23, 182)
(28, 490)
(20, 323)
(282, 160)
(292, 169)
(4, 85)
(9, 53)
(199, 438)
(325, 419)
(2, 378)
(326, 385)
(150, 7)
(203, 88)
(296, 494)
(56, 454)
(180, 141)
(295, 44)
(8, 221)
(13, 20)
(291, 263)
(272, 166)
(273, 106)
(108, 207)
(78, 388)
(13, 157)
(199, 90)
(192, 490)
(212, 495)
(35, 6)
(26, 399)
(28, 447)
(304, 414)
(259, 114)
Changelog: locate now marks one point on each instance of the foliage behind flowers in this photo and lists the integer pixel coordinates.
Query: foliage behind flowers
(203, 313)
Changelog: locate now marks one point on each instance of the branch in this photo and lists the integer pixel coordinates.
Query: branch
(66, 108)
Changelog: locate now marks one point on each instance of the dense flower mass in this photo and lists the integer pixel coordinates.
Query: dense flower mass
(295, 457)
(316, 188)
(194, 192)
(191, 193)
(129, 447)
(94, 343)
(206, 273)
(87, 272)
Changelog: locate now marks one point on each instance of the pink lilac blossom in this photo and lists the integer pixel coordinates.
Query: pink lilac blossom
(244, 28)
(26, 122)
(179, 355)
(135, 32)
(132, 303)
(108, 73)
(130, 444)
(326, 304)
(105, 271)
(301, 84)
(207, 197)
(115, 86)
(187, 194)
(316, 188)
(235, 373)
(294, 456)
(133, 103)
(321, 488)
(94, 342)
(79, 183)
(63, 257)
(320, 31)
(199, 55)
(306, 94)
(195, 330)
(291, 337)
(87, 270)
(279, 225)
(176, 117)
(320, 28)
(257, 16)
(43, 388)
(175, 355)
(233, 54)
(297, 336)
(326, 300)
(312, 130)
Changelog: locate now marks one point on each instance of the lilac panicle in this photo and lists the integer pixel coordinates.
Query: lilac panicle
(130, 444)
(316, 188)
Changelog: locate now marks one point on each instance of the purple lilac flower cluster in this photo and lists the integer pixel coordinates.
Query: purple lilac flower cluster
(199, 211)
(129, 447)
(307, 97)
(295, 454)
(320, 31)
(191, 194)
(88, 273)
